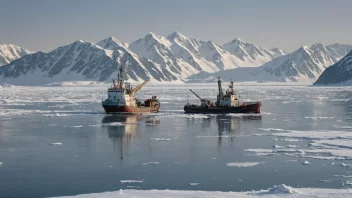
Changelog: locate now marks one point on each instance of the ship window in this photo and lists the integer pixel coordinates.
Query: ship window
(114, 97)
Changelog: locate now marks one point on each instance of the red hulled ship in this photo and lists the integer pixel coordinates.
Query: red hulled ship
(225, 103)
(121, 98)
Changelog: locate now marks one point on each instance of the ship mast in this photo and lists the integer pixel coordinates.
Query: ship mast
(220, 95)
(120, 77)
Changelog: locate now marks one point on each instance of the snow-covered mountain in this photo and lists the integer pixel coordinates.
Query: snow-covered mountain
(341, 49)
(184, 56)
(175, 53)
(339, 73)
(175, 57)
(10, 53)
(304, 64)
(137, 68)
(250, 53)
(81, 60)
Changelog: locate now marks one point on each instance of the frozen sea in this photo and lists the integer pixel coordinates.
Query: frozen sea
(57, 141)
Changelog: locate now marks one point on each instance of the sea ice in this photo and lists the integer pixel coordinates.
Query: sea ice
(275, 192)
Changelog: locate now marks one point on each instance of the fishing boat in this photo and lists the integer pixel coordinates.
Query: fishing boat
(121, 97)
(225, 103)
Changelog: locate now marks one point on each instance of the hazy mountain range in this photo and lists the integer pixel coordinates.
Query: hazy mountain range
(171, 58)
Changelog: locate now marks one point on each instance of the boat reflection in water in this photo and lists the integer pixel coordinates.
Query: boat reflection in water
(228, 125)
(122, 130)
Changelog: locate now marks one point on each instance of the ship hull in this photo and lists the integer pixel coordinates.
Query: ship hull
(249, 108)
(111, 109)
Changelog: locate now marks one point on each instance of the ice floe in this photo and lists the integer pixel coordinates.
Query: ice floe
(324, 181)
(161, 139)
(319, 118)
(113, 124)
(194, 184)
(56, 143)
(344, 176)
(183, 115)
(77, 126)
(273, 129)
(282, 188)
(215, 136)
(327, 145)
(274, 192)
(1, 163)
(133, 187)
(130, 181)
(346, 165)
(342, 127)
(305, 163)
(243, 164)
(148, 163)
(277, 146)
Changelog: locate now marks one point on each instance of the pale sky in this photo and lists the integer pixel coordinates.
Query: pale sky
(45, 24)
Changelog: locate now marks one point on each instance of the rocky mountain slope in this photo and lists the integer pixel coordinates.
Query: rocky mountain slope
(339, 73)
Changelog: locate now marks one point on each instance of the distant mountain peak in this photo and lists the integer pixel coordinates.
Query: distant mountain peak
(176, 34)
(237, 40)
(110, 43)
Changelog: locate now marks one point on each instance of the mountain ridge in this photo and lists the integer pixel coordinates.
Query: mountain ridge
(171, 58)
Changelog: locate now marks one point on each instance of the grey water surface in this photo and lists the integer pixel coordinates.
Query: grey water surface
(57, 141)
